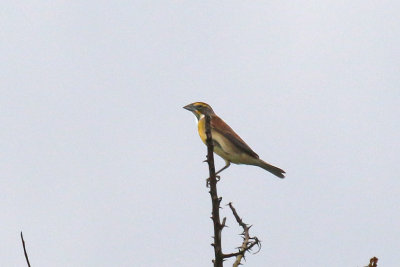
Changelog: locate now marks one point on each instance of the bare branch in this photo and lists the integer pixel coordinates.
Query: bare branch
(248, 242)
(26, 255)
(218, 261)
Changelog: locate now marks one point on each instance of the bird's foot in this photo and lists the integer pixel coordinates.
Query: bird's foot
(217, 177)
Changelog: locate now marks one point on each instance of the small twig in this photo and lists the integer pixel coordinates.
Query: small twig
(373, 262)
(223, 222)
(26, 255)
(248, 242)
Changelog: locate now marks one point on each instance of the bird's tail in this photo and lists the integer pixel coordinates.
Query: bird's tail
(272, 169)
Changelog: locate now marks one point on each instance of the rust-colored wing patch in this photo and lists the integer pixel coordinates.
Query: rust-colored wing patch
(217, 124)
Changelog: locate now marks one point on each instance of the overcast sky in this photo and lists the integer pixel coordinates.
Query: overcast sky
(101, 166)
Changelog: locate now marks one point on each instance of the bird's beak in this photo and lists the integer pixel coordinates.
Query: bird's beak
(189, 107)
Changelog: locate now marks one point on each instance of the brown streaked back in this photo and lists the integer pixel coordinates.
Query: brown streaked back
(220, 126)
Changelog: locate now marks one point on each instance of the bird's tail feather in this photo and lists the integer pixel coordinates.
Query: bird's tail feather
(272, 169)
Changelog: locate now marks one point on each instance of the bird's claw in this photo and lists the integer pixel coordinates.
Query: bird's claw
(217, 177)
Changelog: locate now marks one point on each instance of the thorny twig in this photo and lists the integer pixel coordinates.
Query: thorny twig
(248, 242)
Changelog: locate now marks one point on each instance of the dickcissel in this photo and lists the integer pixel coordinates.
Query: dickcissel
(227, 144)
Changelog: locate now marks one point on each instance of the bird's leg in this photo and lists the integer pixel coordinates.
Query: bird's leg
(227, 164)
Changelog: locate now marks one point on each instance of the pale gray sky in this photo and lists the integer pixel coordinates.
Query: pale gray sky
(101, 166)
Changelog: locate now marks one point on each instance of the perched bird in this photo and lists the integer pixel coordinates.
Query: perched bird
(227, 144)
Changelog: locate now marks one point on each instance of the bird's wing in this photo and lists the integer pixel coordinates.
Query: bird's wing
(217, 124)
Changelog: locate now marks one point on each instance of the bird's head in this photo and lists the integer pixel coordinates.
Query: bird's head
(199, 109)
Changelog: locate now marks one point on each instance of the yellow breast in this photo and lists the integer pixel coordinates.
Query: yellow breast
(201, 126)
